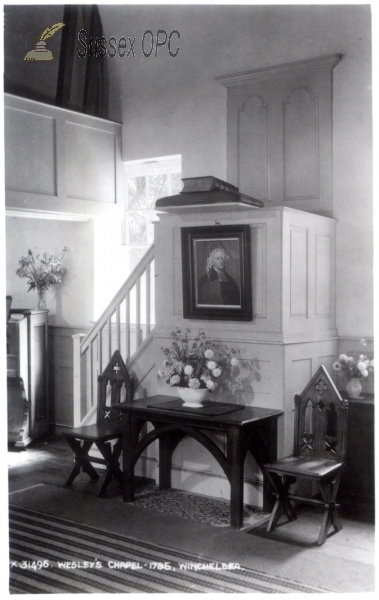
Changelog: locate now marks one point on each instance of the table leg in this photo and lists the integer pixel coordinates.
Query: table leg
(236, 459)
(164, 463)
(128, 436)
(167, 444)
(271, 435)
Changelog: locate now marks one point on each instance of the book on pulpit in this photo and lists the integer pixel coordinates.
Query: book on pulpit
(206, 184)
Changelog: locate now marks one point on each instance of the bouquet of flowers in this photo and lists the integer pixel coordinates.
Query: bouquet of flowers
(41, 271)
(354, 367)
(198, 364)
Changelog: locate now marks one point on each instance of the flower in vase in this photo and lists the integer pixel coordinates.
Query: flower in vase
(353, 367)
(41, 271)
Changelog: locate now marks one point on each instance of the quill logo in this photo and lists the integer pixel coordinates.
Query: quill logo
(40, 52)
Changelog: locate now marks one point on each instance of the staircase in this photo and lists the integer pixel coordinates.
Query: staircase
(127, 325)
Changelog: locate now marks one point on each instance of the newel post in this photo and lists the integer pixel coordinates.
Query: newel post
(77, 339)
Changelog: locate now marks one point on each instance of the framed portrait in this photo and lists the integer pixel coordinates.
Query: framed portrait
(216, 267)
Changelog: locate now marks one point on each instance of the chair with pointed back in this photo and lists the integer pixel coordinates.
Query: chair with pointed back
(114, 385)
(319, 454)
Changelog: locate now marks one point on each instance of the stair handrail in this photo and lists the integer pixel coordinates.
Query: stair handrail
(118, 298)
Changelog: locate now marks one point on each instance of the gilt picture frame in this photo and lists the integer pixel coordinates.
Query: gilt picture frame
(216, 270)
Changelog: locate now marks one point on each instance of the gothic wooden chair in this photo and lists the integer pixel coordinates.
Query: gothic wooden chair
(114, 385)
(319, 454)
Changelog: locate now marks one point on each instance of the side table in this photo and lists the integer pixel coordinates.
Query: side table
(248, 429)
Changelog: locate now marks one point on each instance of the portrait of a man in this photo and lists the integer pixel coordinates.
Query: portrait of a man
(216, 286)
(216, 267)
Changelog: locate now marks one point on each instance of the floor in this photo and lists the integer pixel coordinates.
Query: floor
(49, 461)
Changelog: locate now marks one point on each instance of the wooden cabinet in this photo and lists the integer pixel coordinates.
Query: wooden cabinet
(27, 338)
(358, 480)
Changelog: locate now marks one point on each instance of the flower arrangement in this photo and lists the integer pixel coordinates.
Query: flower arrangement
(354, 367)
(41, 271)
(200, 363)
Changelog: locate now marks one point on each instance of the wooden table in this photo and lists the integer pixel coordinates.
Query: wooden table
(249, 428)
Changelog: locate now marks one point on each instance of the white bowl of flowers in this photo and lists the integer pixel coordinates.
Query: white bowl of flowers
(194, 366)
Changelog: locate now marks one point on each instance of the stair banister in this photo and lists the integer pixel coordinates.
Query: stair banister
(119, 297)
(77, 338)
(88, 349)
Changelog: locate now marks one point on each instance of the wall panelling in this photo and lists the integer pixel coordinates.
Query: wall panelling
(90, 174)
(301, 127)
(279, 133)
(253, 134)
(59, 161)
(30, 157)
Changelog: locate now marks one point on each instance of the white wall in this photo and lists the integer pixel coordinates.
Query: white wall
(353, 186)
(69, 303)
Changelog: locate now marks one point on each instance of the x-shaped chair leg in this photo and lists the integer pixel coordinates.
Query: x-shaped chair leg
(81, 460)
(331, 517)
(281, 485)
(111, 458)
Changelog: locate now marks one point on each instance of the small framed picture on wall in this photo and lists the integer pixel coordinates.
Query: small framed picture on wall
(216, 266)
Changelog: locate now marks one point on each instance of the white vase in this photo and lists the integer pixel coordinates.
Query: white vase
(354, 387)
(191, 397)
(41, 299)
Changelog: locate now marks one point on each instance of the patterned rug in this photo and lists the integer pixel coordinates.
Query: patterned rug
(50, 555)
(193, 506)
